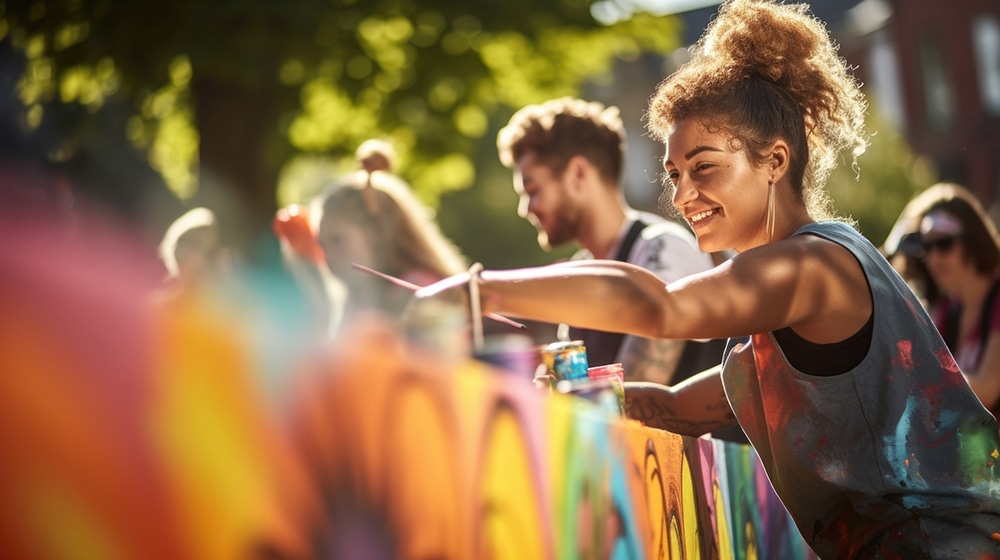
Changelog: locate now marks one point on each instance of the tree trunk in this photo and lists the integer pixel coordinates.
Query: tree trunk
(238, 164)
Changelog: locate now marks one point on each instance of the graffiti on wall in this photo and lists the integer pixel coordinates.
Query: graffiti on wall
(128, 434)
(416, 462)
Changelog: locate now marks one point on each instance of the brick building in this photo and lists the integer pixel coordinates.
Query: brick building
(934, 68)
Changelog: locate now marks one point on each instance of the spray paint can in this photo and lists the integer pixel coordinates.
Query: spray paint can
(604, 385)
(614, 374)
(565, 360)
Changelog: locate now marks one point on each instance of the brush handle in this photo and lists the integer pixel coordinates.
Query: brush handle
(413, 287)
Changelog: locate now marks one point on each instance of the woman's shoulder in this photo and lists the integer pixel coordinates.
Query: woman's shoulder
(845, 235)
(831, 228)
(800, 257)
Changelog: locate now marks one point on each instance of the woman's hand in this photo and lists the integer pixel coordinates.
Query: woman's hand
(453, 286)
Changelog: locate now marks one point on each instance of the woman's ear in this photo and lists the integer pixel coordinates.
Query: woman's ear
(778, 160)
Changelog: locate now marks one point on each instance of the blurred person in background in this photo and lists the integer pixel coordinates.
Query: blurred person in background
(373, 219)
(947, 246)
(376, 155)
(568, 158)
(193, 252)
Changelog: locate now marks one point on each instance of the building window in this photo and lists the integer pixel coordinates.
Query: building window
(986, 40)
(884, 79)
(939, 99)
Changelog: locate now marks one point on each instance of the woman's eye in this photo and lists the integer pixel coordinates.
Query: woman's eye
(702, 167)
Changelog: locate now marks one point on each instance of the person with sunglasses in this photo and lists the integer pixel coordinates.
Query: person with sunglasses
(951, 251)
(866, 428)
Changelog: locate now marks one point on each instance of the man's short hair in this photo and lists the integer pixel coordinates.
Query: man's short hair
(559, 129)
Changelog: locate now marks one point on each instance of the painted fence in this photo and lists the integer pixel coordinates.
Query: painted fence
(132, 434)
(418, 461)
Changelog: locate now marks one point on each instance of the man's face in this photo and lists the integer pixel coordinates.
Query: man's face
(545, 201)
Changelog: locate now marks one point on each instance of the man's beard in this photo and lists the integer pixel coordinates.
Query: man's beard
(563, 230)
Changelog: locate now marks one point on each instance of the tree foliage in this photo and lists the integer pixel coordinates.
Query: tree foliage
(888, 174)
(227, 91)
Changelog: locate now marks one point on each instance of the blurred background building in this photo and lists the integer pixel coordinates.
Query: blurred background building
(153, 117)
(931, 69)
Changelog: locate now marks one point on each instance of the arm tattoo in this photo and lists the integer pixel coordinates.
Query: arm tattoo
(645, 359)
(653, 409)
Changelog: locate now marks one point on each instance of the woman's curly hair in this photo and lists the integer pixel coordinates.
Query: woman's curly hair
(763, 71)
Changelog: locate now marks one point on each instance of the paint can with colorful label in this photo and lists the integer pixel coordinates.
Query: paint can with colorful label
(565, 360)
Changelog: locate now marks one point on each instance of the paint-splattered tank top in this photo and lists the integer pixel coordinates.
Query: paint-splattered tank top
(896, 458)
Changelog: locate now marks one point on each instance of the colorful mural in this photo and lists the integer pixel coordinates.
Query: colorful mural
(414, 460)
(197, 431)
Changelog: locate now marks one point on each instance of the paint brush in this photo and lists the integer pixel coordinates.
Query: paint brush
(413, 287)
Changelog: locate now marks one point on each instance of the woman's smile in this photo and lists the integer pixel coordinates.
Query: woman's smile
(699, 217)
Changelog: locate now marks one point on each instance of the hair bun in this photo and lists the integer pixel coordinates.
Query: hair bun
(751, 38)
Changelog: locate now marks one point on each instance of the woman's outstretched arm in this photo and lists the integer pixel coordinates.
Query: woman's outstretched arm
(810, 284)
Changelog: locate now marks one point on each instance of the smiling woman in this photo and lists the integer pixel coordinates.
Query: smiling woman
(834, 370)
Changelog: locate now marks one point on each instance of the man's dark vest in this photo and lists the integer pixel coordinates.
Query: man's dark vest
(602, 346)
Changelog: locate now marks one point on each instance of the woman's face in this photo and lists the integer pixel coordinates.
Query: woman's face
(344, 243)
(944, 256)
(944, 252)
(718, 191)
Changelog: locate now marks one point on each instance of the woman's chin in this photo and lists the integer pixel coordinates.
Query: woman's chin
(708, 244)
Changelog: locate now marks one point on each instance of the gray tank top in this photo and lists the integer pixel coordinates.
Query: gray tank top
(894, 458)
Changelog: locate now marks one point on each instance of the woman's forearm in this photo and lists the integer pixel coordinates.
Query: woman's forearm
(606, 295)
(695, 407)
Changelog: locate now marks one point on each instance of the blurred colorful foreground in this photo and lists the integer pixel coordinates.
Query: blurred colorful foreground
(131, 430)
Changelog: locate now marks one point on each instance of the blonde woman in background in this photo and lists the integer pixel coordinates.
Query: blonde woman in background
(373, 219)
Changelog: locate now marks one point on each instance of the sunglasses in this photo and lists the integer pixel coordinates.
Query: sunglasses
(942, 244)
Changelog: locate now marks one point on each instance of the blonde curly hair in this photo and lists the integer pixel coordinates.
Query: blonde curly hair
(763, 71)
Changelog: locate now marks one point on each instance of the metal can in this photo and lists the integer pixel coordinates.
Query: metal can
(565, 360)
(615, 376)
(602, 391)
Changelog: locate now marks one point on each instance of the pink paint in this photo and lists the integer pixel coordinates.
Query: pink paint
(610, 370)
(947, 362)
(904, 358)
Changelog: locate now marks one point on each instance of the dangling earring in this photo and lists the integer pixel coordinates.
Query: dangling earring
(770, 212)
